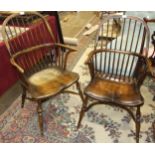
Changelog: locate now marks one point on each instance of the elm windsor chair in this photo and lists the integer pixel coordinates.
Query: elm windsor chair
(39, 58)
(118, 67)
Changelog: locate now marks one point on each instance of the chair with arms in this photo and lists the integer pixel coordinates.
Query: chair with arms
(38, 56)
(118, 67)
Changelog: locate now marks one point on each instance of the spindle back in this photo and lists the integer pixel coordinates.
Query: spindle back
(31, 42)
(119, 46)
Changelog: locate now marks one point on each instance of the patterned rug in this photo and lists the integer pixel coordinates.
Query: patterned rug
(101, 124)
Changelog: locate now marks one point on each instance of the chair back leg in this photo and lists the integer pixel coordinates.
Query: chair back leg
(23, 96)
(83, 110)
(137, 121)
(40, 117)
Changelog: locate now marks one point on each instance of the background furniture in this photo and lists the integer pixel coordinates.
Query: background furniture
(152, 63)
(39, 58)
(117, 66)
(152, 57)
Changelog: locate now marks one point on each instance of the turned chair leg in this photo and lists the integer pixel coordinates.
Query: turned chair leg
(80, 91)
(40, 117)
(23, 97)
(138, 117)
(83, 110)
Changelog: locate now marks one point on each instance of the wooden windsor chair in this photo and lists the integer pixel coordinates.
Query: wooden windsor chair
(39, 58)
(118, 66)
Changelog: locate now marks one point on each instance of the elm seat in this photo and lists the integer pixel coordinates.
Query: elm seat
(121, 93)
(48, 82)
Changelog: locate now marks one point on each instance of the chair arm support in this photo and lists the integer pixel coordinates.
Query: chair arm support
(91, 69)
(68, 50)
(90, 55)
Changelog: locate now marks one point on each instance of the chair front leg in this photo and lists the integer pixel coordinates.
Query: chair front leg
(80, 91)
(23, 96)
(137, 121)
(83, 110)
(40, 117)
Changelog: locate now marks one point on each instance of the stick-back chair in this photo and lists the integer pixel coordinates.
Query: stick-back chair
(118, 66)
(39, 58)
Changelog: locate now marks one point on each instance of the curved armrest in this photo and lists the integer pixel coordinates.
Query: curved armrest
(66, 47)
(89, 57)
(20, 69)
